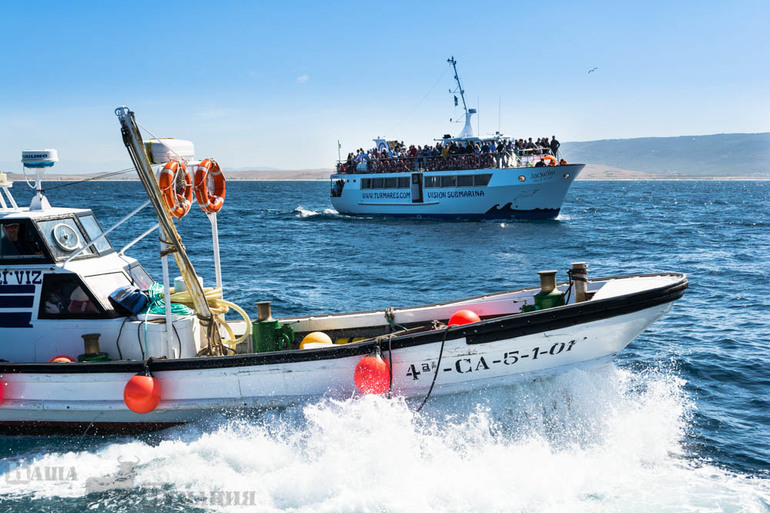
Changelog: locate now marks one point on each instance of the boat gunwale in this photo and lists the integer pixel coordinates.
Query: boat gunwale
(488, 330)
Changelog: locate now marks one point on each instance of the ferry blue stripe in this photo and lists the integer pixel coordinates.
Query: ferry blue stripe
(16, 301)
(15, 320)
(17, 289)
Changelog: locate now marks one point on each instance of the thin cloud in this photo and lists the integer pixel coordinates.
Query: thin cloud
(302, 79)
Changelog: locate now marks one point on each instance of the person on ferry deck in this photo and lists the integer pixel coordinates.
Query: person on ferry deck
(554, 145)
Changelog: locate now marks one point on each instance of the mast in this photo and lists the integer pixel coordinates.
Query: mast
(133, 141)
(467, 129)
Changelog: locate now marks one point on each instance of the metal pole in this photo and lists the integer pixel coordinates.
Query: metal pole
(215, 241)
(167, 297)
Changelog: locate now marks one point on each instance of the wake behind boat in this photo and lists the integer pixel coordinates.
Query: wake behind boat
(466, 177)
(82, 352)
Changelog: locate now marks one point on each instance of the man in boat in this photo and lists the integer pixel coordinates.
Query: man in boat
(14, 243)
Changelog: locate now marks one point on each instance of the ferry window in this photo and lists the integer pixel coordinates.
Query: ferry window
(366, 183)
(140, 277)
(63, 237)
(448, 181)
(19, 241)
(64, 296)
(432, 181)
(376, 183)
(481, 180)
(403, 182)
(94, 230)
(465, 181)
(390, 183)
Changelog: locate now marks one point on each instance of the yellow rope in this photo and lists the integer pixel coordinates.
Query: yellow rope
(219, 307)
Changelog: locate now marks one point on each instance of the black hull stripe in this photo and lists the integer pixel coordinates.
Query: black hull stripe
(36, 428)
(486, 331)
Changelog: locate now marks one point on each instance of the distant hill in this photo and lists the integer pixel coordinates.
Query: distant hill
(728, 155)
(701, 156)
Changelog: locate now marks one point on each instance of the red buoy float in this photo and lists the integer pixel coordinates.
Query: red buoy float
(61, 358)
(142, 393)
(2, 391)
(461, 317)
(372, 375)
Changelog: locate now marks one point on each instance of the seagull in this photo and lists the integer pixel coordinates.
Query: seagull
(592, 70)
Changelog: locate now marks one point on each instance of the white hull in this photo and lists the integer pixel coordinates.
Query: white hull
(524, 192)
(57, 396)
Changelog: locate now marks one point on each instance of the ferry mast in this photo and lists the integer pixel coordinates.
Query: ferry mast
(467, 129)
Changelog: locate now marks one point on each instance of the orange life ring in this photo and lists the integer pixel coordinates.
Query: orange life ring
(178, 199)
(209, 171)
(549, 160)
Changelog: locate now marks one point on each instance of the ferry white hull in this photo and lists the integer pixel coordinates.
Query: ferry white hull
(524, 192)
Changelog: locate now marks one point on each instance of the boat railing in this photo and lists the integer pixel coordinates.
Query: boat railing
(451, 162)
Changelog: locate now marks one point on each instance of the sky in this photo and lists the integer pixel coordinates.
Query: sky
(278, 84)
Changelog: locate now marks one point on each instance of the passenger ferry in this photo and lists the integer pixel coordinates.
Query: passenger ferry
(464, 177)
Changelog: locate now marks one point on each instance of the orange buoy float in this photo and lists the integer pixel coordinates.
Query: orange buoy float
(315, 339)
(176, 195)
(209, 175)
(461, 317)
(61, 358)
(372, 375)
(142, 393)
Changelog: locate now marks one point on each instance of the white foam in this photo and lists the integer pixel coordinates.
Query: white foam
(604, 440)
(304, 212)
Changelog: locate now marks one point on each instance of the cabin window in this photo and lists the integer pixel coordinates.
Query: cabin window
(390, 183)
(20, 242)
(432, 181)
(376, 183)
(449, 181)
(102, 285)
(94, 230)
(366, 183)
(481, 180)
(63, 237)
(139, 276)
(403, 182)
(465, 181)
(65, 296)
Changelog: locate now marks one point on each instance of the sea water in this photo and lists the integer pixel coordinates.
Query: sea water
(680, 421)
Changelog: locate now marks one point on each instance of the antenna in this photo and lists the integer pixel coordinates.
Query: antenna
(459, 89)
(468, 129)
(39, 160)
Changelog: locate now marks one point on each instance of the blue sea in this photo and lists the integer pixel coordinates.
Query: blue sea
(679, 422)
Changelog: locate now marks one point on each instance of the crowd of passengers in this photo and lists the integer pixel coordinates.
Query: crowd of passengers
(454, 155)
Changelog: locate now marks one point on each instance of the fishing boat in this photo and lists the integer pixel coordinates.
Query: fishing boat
(90, 344)
(462, 177)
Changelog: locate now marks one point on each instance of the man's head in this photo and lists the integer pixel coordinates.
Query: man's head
(11, 231)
